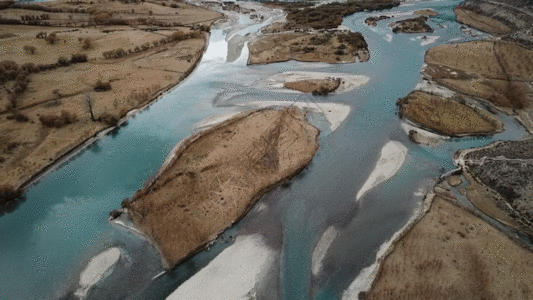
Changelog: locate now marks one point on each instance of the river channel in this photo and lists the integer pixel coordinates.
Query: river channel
(49, 240)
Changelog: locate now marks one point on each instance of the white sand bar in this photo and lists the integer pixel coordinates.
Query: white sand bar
(391, 159)
(349, 82)
(322, 248)
(98, 268)
(233, 274)
(335, 113)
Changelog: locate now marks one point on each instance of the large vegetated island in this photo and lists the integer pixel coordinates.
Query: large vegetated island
(71, 69)
(310, 34)
(217, 175)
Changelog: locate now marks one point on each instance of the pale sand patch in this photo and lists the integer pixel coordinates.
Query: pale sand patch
(391, 159)
(429, 87)
(427, 134)
(349, 82)
(213, 120)
(322, 248)
(335, 113)
(98, 268)
(233, 274)
(428, 40)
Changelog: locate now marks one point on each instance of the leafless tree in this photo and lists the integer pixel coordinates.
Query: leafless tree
(89, 104)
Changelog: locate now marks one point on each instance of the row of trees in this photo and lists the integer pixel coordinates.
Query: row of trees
(35, 17)
(174, 37)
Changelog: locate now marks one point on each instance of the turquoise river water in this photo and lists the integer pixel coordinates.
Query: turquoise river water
(47, 242)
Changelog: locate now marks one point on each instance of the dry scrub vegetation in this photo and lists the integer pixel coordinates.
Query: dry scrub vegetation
(217, 175)
(326, 16)
(446, 115)
(329, 46)
(451, 254)
(59, 86)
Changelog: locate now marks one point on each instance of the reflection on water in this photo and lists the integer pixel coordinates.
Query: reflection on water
(49, 240)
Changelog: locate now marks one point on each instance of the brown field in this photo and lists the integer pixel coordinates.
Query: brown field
(451, 254)
(330, 47)
(49, 81)
(497, 72)
(315, 86)
(446, 115)
(217, 175)
(481, 22)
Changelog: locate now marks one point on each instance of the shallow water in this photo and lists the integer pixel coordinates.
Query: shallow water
(50, 238)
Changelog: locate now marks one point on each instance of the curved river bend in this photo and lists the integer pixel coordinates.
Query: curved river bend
(50, 238)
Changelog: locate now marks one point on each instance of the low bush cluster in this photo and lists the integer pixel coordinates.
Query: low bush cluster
(58, 121)
(109, 119)
(102, 86)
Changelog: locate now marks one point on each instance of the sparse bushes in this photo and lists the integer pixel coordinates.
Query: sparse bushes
(102, 86)
(29, 49)
(58, 121)
(87, 44)
(78, 58)
(18, 116)
(339, 52)
(117, 53)
(51, 38)
(62, 61)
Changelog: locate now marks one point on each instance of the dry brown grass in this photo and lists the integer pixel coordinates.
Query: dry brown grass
(498, 72)
(481, 22)
(450, 254)
(135, 79)
(213, 181)
(447, 116)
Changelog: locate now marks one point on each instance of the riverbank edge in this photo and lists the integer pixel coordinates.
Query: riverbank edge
(71, 152)
(424, 208)
(175, 154)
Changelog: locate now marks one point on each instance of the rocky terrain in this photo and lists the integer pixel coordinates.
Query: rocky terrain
(505, 169)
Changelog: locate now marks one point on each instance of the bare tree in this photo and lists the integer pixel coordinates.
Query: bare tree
(89, 104)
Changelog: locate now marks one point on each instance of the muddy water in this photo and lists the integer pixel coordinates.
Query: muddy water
(51, 237)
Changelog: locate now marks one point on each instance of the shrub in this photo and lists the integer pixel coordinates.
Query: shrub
(109, 119)
(78, 58)
(339, 52)
(62, 61)
(102, 86)
(86, 44)
(145, 46)
(29, 49)
(19, 117)
(63, 119)
(41, 35)
(205, 27)
(51, 38)
(9, 194)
